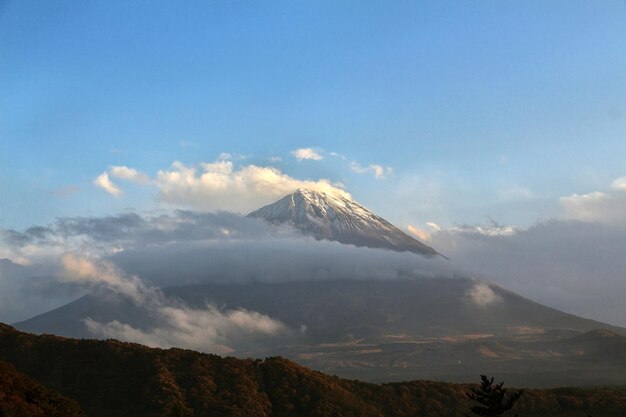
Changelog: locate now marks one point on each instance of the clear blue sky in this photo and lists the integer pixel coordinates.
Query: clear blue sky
(483, 109)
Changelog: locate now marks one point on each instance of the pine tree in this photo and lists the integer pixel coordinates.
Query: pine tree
(491, 398)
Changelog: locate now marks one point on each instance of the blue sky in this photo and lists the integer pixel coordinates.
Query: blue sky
(482, 110)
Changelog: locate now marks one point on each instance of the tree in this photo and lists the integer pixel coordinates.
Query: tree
(491, 398)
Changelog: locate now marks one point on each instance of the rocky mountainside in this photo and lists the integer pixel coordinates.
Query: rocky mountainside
(338, 217)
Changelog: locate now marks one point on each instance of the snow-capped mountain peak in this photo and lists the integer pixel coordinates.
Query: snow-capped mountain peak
(336, 216)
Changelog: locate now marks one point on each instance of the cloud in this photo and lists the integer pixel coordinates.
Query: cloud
(596, 206)
(103, 181)
(106, 235)
(307, 154)
(606, 207)
(619, 183)
(128, 174)
(225, 185)
(120, 172)
(205, 330)
(219, 186)
(337, 155)
(379, 171)
(176, 325)
(421, 234)
(482, 295)
(576, 266)
(180, 248)
(433, 226)
(491, 229)
(82, 271)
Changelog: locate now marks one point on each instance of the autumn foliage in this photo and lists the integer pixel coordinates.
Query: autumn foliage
(111, 378)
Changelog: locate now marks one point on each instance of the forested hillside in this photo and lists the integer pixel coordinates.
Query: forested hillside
(115, 379)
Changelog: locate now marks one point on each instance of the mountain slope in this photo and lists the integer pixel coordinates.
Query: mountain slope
(387, 330)
(339, 218)
(110, 378)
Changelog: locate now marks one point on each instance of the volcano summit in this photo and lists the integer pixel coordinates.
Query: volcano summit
(337, 217)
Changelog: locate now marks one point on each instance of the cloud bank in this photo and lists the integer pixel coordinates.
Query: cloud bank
(185, 247)
(206, 330)
(607, 207)
(572, 265)
(219, 186)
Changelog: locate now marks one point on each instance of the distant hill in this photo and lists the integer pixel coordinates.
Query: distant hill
(114, 379)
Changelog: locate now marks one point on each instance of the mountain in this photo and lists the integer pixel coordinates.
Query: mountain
(393, 330)
(335, 216)
(111, 378)
(9, 269)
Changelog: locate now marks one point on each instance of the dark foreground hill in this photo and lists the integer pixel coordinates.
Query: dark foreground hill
(115, 379)
(21, 396)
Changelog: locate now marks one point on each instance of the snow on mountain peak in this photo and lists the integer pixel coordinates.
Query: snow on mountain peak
(336, 216)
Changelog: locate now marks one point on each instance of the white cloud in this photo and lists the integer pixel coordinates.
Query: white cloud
(433, 226)
(586, 206)
(227, 156)
(307, 153)
(379, 171)
(82, 271)
(128, 174)
(337, 155)
(208, 329)
(493, 229)
(219, 186)
(121, 172)
(424, 234)
(619, 183)
(103, 181)
(602, 207)
(596, 207)
(421, 234)
(482, 295)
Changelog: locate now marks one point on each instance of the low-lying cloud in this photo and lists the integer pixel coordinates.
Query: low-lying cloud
(177, 325)
(184, 248)
(482, 295)
(572, 265)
